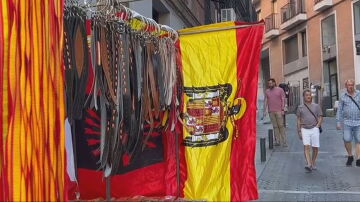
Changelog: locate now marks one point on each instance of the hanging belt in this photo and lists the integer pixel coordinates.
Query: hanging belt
(136, 83)
(159, 70)
(76, 66)
(154, 93)
(134, 67)
(76, 62)
(103, 76)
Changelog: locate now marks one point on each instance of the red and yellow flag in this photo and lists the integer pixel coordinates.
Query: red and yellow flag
(220, 76)
(31, 100)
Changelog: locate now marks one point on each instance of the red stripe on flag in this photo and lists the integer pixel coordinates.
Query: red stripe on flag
(242, 165)
(92, 123)
(96, 152)
(147, 181)
(179, 189)
(92, 142)
(1, 79)
(90, 131)
(93, 114)
(86, 180)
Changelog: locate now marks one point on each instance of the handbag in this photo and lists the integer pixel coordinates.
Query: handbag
(320, 128)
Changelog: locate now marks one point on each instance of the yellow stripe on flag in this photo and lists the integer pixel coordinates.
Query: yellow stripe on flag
(5, 72)
(208, 60)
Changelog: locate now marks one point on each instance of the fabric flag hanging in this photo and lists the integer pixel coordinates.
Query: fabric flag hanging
(220, 75)
(31, 101)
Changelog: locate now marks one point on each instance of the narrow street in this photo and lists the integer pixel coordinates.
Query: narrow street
(283, 178)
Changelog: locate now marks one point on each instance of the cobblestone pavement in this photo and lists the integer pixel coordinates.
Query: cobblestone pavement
(283, 178)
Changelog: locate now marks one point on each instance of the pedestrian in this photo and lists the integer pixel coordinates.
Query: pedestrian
(275, 101)
(348, 119)
(309, 119)
(286, 90)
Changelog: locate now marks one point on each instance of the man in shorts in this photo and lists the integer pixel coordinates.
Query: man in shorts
(309, 119)
(348, 119)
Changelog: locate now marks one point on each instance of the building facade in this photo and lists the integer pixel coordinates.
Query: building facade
(180, 14)
(310, 43)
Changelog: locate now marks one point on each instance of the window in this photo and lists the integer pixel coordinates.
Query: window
(304, 43)
(291, 49)
(155, 15)
(305, 83)
(357, 17)
(328, 31)
(160, 13)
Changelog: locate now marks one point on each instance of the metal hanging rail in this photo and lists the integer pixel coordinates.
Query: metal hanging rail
(148, 22)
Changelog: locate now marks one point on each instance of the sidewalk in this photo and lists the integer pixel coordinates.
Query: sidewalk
(262, 132)
(283, 178)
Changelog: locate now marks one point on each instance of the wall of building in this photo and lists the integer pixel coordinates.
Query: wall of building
(345, 41)
(344, 51)
(142, 7)
(188, 13)
(260, 96)
(315, 51)
(356, 18)
(176, 14)
(173, 20)
(276, 60)
(357, 71)
(198, 9)
(296, 79)
(347, 62)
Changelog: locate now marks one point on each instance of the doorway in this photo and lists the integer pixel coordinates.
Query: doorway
(332, 80)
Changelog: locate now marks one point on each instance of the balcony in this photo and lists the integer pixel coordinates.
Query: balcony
(295, 66)
(271, 26)
(292, 14)
(320, 5)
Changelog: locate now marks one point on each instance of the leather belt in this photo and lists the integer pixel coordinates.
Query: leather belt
(76, 62)
(134, 84)
(76, 55)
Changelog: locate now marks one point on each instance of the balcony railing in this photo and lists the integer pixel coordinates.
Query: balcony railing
(320, 5)
(271, 22)
(292, 9)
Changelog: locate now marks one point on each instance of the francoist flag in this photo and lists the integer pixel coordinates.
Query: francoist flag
(220, 76)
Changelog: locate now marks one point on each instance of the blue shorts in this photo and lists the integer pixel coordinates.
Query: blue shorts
(351, 132)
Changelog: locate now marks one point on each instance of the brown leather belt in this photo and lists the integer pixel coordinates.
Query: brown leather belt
(76, 55)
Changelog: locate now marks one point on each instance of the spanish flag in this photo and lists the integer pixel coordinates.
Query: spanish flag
(220, 64)
(32, 114)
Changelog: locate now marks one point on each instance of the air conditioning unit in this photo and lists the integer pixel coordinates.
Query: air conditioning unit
(228, 14)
